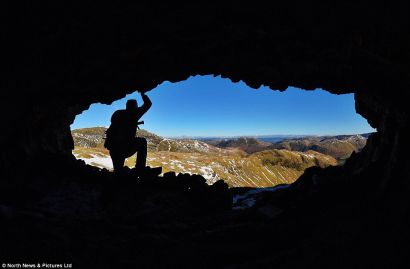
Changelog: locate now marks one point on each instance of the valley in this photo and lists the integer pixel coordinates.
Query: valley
(240, 162)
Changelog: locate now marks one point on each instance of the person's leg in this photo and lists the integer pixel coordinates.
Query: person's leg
(117, 161)
(141, 145)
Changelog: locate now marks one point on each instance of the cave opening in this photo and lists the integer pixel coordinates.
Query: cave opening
(62, 58)
(248, 137)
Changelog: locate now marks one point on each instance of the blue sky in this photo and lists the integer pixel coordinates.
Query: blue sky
(213, 106)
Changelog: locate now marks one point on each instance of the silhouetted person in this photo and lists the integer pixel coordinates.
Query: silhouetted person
(121, 140)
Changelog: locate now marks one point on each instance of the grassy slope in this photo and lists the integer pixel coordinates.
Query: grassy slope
(236, 167)
(261, 169)
(340, 147)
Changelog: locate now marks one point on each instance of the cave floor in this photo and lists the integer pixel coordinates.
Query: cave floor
(99, 222)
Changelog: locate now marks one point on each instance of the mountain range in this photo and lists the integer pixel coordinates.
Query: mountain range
(239, 161)
(340, 147)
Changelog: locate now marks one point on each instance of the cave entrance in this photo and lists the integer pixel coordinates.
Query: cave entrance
(222, 130)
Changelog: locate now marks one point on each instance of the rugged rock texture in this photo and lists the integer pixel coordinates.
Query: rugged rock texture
(61, 58)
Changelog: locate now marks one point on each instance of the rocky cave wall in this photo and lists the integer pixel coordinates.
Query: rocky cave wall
(62, 58)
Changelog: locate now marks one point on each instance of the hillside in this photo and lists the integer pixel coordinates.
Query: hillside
(94, 138)
(89, 137)
(261, 169)
(238, 168)
(247, 144)
(339, 147)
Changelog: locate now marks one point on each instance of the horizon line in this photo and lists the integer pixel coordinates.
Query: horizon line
(234, 136)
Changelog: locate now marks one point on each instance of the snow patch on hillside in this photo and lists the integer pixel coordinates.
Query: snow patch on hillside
(209, 174)
(96, 160)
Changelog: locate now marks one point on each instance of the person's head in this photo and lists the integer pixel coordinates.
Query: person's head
(132, 104)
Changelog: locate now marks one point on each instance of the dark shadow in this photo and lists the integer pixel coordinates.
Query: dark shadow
(120, 136)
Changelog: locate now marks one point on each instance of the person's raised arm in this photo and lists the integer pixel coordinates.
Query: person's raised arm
(147, 103)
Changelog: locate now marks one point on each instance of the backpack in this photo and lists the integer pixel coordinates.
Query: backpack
(107, 138)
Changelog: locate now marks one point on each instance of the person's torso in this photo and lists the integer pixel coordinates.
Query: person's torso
(123, 125)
